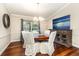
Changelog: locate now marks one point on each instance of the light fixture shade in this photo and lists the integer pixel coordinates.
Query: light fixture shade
(35, 19)
(38, 19)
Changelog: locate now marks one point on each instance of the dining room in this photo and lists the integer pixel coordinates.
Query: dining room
(39, 29)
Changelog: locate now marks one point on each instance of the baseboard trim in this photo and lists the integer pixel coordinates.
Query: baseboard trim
(75, 45)
(15, 40)
(4, 48)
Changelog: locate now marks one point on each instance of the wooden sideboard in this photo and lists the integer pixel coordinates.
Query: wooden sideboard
(63, 37)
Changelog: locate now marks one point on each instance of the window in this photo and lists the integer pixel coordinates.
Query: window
(26, 25)
(30, 26)
(35, 26)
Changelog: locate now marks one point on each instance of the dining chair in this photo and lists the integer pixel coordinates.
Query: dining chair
(48, 47)
(24, 34)
(31, 48)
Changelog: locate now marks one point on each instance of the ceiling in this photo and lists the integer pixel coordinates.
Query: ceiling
(33, 9)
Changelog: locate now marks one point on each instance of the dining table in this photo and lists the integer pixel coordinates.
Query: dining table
(41, 38)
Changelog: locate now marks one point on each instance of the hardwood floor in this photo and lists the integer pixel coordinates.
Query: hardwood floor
(15, 49)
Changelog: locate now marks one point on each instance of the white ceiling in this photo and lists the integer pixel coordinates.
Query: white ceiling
(33, 9)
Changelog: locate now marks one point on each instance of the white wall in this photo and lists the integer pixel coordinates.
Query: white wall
(4, 33)
(43, 27)
(73, 10)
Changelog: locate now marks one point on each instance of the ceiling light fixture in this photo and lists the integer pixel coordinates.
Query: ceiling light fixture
(38, 18)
